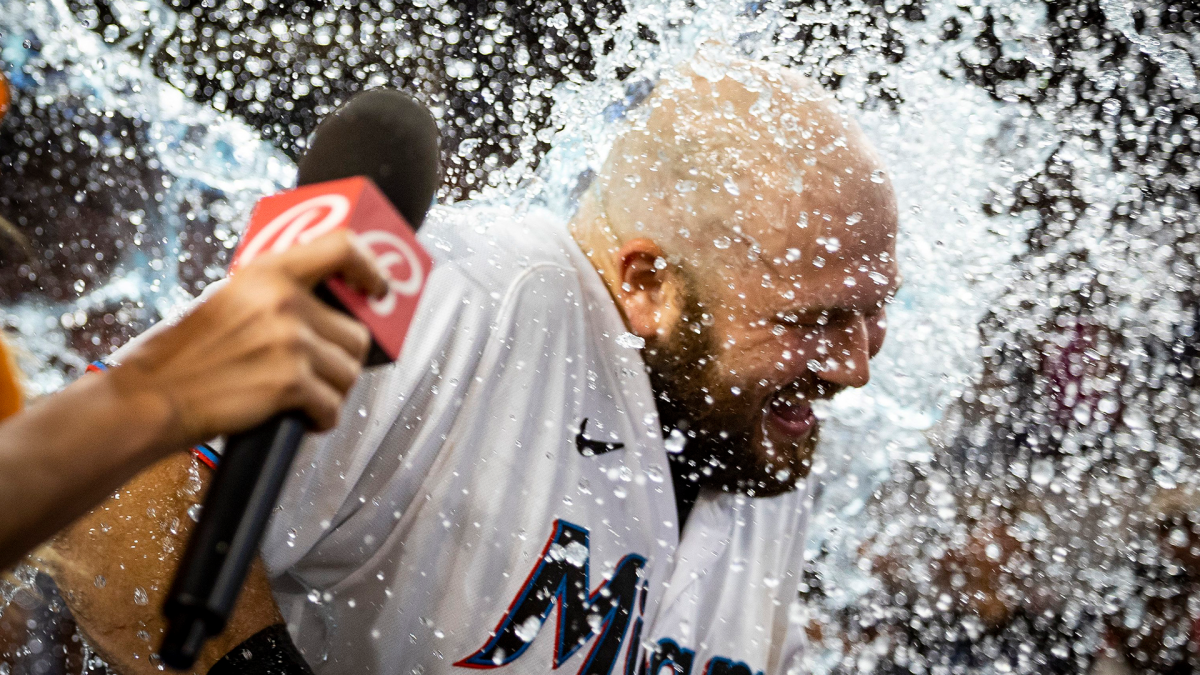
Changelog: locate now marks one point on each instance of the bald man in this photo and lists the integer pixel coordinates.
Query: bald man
(502, 496)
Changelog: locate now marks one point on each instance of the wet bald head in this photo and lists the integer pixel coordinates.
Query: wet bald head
(722, 150)
(746, 230)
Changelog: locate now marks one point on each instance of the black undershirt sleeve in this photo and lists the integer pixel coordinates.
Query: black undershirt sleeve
(270, 651)
(686, 489)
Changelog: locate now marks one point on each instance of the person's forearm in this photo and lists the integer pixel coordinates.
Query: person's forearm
(63, 454)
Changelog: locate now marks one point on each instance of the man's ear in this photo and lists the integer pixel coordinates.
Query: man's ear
(649, 296)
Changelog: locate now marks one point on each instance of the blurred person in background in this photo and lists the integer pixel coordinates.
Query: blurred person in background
(1031, 544)
(969, 563)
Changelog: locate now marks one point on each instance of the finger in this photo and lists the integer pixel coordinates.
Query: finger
(334, 253)
(329, 324)
(333, 365)
(321, 403)
(304, 390)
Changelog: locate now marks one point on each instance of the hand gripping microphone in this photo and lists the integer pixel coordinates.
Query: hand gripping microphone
(373, 168)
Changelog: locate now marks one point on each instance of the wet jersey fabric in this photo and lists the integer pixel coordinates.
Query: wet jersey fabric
(499, 497)
(731, 604)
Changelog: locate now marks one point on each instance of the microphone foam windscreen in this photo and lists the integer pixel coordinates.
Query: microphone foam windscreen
(387, 136)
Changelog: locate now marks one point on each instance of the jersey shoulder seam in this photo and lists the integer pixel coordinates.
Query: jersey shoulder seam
(521, 279)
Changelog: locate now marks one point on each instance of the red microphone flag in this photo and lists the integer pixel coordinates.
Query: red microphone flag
(301, 215)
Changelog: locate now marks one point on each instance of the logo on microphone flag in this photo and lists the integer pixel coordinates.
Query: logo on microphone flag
(299, 216)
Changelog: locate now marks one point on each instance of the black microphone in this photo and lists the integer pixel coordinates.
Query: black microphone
(391, 139)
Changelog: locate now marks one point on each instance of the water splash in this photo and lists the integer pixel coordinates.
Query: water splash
(1177, 61)
(1047, 233)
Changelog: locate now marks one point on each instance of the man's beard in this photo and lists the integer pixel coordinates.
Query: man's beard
(726, 446)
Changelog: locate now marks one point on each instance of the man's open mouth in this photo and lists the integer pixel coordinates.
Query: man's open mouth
(791, 414)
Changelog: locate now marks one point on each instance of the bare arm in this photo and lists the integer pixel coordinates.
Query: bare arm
(67, 452)
(261, 344)
(115, 565)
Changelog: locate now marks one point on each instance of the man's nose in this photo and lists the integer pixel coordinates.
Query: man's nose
(847, 360)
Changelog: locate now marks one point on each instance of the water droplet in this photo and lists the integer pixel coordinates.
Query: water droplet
(877, 176)
(675, 441)
(576, 554)
(1042, 471)
(722, 243)
(731, 187)
(468, 146)
(194, 512)
(630, 341)
(529, 628)
(100, 581)
(139, 596)
(1177, 537)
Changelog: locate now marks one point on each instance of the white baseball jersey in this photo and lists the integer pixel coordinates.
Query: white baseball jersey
(730, 607)
(500, 497)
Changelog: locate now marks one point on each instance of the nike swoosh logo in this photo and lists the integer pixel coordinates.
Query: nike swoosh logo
(589, 447)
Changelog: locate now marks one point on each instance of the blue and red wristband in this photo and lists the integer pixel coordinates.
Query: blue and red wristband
(207, 456)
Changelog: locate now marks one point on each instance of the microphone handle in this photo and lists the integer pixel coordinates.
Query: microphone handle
(236, 509)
